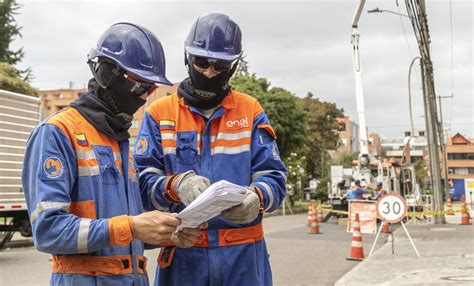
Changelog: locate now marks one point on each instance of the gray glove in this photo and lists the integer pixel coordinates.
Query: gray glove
(246, 212)
(189, 186)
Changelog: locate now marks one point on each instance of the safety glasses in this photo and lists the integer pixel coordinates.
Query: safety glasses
(139, 87)
(205, 63)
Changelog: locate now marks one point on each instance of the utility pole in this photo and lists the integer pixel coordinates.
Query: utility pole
(432, 127)
(443, 144)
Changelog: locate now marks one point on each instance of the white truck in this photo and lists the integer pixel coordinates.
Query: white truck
(19, 114)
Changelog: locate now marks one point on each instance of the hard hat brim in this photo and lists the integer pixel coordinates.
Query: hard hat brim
(212, 55)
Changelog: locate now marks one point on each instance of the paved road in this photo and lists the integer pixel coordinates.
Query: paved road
(297, 258)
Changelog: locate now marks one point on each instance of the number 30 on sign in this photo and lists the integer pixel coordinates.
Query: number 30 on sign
(391, 208)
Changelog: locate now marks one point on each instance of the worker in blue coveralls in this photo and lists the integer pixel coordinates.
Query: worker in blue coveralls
(80, 179)
(356, 192)
(204, 133)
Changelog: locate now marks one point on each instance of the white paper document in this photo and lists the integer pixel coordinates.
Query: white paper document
(218, 197)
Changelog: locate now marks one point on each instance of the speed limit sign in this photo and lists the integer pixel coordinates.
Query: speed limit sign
(392, 208)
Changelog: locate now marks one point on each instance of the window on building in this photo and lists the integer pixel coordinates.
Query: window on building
(407, 133)
(342, 127)
(421, 133)
(460, 171)
(470, 171)
(460, 156)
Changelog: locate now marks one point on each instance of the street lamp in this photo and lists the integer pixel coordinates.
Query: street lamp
(378, 10)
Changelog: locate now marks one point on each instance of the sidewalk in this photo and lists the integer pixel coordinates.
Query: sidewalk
(447, 257)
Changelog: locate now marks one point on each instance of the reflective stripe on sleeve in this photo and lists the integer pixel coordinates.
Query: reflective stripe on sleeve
(152, 170)
(261, 173)
(230, 150)
(152, 195)
(42, 206)
(83, 235)
(269, 193)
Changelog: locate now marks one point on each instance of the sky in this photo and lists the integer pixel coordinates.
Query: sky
(302, 46)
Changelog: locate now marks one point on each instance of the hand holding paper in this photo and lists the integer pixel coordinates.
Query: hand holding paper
(218, 197)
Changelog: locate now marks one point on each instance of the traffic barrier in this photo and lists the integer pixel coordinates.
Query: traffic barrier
(310, 211)
(314, 226)
(431, 213)
(386, 227)
(320, 216)
(357, 251)
(465, 218)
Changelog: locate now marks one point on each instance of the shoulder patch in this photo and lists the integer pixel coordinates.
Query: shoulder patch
(141, 147)
(52, 167)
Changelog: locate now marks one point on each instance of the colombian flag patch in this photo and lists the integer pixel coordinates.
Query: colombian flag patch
(167, 124)
(81, 139)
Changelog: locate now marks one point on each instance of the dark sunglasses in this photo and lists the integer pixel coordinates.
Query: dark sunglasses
(219, 65)
(139, 87)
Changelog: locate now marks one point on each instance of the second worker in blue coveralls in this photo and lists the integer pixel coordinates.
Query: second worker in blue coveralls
(204, 133)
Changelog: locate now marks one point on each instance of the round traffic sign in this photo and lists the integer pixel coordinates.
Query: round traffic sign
(392, 208)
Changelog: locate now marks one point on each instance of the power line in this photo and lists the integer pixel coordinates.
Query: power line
(452, 62)
(406, 36)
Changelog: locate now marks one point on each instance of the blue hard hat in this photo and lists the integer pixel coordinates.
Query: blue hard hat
(134, 48)
(214, 36)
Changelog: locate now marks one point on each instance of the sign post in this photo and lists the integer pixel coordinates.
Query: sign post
(392, 208)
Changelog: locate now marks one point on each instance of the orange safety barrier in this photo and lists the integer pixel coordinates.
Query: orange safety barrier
(465, 218)
(386, 228)
(357, 251)
(314, 226)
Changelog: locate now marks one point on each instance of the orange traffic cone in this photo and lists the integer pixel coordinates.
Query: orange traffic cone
(465, 217)
(314, 226)
(449, 205)
(320, 216)
(310, 211)
(357, 252)
(386, 228)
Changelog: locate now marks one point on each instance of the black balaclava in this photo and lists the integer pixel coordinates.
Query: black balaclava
(117, 91)
(203, 92)
(110, 104)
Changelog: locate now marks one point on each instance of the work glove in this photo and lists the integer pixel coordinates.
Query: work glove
(246, 212)
(185, 187)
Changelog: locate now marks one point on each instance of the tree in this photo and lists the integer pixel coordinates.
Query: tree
(322, 135)
(9, 29)
(242, 67)
(10, 79)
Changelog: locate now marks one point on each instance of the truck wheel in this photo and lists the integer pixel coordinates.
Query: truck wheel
(25, 229)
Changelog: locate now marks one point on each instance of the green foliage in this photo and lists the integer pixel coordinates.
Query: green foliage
(295, 163)
(9, 29)
(243, 67)
(346, 158)
(322, 135)
(281, 106)
(10, 80)
(421, 171)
